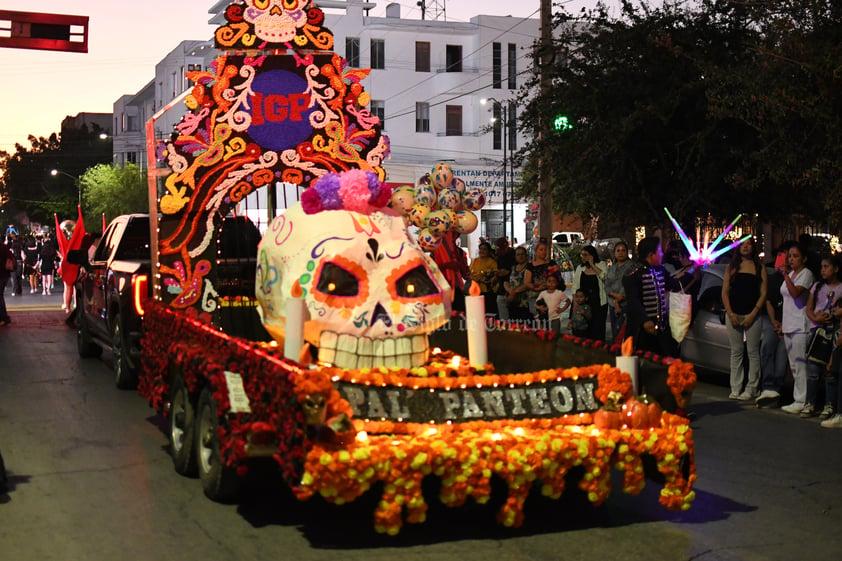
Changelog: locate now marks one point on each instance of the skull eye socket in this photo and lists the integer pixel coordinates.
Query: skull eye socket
(290, 4)
(335, 280)
(261, 4)
(416, 283)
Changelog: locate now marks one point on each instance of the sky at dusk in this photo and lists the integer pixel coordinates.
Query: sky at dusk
(126, 40)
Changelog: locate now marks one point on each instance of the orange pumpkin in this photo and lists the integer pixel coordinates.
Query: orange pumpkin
(636, 414)
(653, 409)
(608, 418)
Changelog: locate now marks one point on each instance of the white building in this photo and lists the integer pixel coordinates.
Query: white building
(427, 82)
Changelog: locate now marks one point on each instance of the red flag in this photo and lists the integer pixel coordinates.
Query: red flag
(69, 271)
(62, 241)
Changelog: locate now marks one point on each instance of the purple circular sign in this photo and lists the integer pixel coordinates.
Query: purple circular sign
(280, 112)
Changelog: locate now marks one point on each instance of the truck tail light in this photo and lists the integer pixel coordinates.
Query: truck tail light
(139, 290)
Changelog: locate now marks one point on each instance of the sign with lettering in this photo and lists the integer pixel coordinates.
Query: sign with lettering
(281, 109)
(540, 400)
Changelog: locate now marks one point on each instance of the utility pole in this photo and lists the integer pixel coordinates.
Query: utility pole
(545, 194)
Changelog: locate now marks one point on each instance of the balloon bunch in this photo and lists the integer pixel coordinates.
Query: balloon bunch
(438, 204)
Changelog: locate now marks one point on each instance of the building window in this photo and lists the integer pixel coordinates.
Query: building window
(512, 66)
(132, 124)
(131, 157)
(453, 56)
(378, 54)
(453, 125)
(352, 51)
(378, 109)
(422, 56)
(496, 66)
(422, 117)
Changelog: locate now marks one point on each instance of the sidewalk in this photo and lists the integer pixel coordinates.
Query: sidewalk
(34, 302)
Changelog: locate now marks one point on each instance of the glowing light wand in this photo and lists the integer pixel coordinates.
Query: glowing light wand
(706, 254)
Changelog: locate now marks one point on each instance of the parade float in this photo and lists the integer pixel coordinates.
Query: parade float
(331, 346)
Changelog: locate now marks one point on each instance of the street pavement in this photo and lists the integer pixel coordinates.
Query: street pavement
(91, 478)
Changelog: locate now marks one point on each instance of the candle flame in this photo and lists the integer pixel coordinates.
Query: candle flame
(362, 436)
(627, 347)
(474, 289)
(297, 291)
(455, 361)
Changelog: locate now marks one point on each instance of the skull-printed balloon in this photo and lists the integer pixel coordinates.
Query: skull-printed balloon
(276, 21)
(372, 294)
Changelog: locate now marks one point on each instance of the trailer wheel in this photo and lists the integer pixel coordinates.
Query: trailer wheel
(220, 483)
(182, 429)
(124, 376)
(84, 344)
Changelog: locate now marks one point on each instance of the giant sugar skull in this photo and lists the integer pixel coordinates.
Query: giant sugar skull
(372, 294)
(276, 21)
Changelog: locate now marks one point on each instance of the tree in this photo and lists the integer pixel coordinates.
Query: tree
(30, 193)
(113, 190)
(719, 108)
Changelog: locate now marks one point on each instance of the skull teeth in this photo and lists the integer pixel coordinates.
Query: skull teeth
(347, 351)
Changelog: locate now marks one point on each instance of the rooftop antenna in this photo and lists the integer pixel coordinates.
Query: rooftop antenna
(436, 8)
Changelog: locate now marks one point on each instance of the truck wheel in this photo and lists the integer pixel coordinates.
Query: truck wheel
(124, 375)
(220, 483)
(182, 429)
(84, 344)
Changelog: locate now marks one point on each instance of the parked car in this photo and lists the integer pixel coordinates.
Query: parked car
(706, 343)
(566, 239)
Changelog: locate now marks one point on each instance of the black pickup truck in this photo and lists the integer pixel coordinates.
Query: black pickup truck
(110, 292)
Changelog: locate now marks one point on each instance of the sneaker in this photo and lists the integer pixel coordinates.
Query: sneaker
(793, 408)
(767, 398)
(827, 412)
(734, 395)
(745, 396)
(807, 411)
(834, 422)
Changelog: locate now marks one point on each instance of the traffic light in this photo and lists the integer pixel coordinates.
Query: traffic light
(562, 123)
(51, 32)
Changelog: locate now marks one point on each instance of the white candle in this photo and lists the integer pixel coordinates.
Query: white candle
(477, 335)
(296, 315)
(630, 365)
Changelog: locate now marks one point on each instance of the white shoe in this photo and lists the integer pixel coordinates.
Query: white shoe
(834, 422)
(793, 408)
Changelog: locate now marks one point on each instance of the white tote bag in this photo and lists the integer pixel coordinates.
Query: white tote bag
(681, 312)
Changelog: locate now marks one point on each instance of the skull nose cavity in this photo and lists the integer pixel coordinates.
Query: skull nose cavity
(380, 314)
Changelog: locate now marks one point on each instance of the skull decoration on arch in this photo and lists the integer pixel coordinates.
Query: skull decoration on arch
(276, 21)
(372, 294)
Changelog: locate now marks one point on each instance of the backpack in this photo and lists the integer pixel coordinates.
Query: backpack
(11, 263)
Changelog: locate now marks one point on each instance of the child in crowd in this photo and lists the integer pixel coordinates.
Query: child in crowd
(551, 303)
(580, 315)
(823, 311)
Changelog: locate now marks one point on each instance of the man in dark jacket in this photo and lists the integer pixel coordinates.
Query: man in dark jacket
(647, 286)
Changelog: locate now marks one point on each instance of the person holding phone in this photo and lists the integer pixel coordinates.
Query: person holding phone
(795, 325)
(589, 277)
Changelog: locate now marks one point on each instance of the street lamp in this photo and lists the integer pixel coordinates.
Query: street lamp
(503, 110)
(76, 181)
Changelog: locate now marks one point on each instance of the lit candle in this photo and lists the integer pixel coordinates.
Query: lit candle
(475, 318)
(629, 364)
(296, 315)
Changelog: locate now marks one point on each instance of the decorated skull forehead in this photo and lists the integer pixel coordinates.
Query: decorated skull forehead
(276, 21)
(372, 294)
